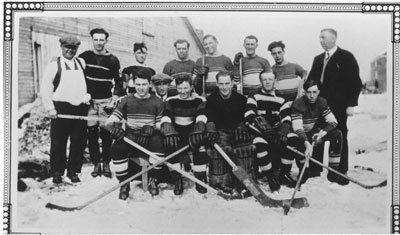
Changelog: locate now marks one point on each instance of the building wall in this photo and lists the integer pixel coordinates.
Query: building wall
(159, 33)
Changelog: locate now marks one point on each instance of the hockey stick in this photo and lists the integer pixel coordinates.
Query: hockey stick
(184, 173)
(204, 78)
(254, 189)
(67, 116)
(382, 184)
(160, 161)
(286, 207)
(241, 75)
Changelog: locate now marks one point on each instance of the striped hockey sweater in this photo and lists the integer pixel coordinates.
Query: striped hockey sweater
(273, 108)
(308, 117)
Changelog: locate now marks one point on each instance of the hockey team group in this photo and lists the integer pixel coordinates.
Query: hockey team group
(252, 110)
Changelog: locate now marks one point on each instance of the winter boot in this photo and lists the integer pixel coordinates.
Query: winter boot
(285, 178)
(272, 180)
(124, 191)
(57, 179)
(97, 170)
(73, 177)
(177, 178)
(106, 169)
(153, 187)
(335, 178)
(154, 176)
(202, 176)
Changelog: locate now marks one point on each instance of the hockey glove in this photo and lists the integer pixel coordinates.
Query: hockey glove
(145, 133)
(197, 136)
(212, 134)
(238, 56)
(117, 132)
(171, 136)
(242, 135)
(263, 126)
(282, 133)
(203, 70)
(109, 108)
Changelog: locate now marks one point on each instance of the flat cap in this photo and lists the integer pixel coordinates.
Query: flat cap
(69, 39)
(161, 77)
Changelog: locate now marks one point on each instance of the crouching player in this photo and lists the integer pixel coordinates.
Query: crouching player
(225, 112)
(143, 112)
(184, 121)
(313, 120)
(270, 114)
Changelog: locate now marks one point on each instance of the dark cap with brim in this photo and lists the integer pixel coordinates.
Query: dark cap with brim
(161, 77)
(69, 40)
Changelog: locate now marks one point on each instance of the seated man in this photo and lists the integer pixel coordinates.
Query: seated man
(313, 120)
(143, 112)
(225, 112)
(183, 122)
(270, 114)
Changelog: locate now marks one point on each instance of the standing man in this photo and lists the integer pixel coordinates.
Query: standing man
(289, 76)
(143, 112)
(184, 122)
(252, 65)
(338, 71)
(63, 91)
(140, 53)
(102, 70)
(161, 83)
(182, 65)
(270, 114)
(225, 111)
(209, 65)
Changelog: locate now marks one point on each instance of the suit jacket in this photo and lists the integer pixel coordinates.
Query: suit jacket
(342, 82)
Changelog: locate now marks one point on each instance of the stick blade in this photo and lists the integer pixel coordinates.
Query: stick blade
(286, 208)
(381, 184)
(297, 203)
(254, 189)
(300, 202)
(60, 208)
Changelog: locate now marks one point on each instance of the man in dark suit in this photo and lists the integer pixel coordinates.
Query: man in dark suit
(338, 71)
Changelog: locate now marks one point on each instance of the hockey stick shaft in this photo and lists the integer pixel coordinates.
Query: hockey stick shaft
(160, 161)
(383, 183)
(286, 208)
(204, 78)
(187, 175)
(241, 75)
(67, 116)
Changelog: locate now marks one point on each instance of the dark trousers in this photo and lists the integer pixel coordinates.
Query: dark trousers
(60, 131)
(93, 134)
(341, 117)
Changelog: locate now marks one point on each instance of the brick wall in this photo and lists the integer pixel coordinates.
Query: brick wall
(159, 33)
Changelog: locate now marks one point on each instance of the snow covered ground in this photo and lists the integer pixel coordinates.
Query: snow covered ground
(333, 208)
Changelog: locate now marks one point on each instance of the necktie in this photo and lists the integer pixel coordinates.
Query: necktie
(323, 68)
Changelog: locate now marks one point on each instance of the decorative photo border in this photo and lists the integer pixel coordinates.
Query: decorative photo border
(13, 8)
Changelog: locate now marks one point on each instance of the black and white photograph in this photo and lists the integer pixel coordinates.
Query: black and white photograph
(204, 118)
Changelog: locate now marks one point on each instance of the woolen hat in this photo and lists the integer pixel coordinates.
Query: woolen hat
(139, 46)
(69, 39)
(161, 77)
